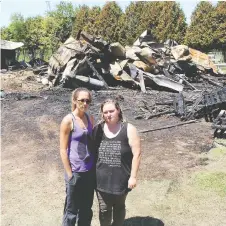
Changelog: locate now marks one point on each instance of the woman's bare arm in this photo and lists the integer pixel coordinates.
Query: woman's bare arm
(134, 142)
(65, 129)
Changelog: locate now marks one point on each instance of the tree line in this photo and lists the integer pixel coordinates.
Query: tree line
(163, 20)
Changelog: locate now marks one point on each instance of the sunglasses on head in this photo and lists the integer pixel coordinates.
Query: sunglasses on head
(85, 100)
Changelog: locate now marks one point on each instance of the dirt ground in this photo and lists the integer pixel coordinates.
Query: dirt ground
(171, 190)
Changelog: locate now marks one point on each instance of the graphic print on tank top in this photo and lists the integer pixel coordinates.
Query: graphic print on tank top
(110, 153)
(83, 153)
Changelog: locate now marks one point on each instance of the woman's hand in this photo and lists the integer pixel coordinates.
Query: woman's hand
(69, 175)
(132, 182)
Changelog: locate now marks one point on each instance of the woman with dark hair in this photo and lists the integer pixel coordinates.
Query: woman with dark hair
(78, 160)
(118, 159)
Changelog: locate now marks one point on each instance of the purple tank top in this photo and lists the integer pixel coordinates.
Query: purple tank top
(80, 156)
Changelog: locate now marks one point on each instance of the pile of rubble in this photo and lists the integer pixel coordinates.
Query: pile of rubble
(94, 63)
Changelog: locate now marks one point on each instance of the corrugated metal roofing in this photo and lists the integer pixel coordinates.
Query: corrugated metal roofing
(8, 45)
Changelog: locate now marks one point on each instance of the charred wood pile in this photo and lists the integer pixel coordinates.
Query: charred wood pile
(210, 105)
(92, 62)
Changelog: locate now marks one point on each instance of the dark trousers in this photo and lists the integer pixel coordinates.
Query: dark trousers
(111, 205)
(79, 199)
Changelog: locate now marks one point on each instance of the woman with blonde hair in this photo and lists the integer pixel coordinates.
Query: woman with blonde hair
(79, 160)
(118, 159)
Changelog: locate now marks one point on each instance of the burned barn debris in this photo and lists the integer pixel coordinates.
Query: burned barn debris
(90, 61)
(209, 105)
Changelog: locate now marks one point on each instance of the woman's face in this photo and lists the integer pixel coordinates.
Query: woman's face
(83, 100)
(110, 113)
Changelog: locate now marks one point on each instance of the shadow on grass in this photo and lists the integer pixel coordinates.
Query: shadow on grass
(143, 221)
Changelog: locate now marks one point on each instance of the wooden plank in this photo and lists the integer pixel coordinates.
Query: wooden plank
(167, 127)
(96, 73)
(142, 84)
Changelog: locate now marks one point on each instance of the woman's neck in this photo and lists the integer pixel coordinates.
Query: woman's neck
(114, 128)
(78, 113)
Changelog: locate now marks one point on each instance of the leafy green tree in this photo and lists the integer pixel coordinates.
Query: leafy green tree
(130, 23)
(49, 41)
(200, 34)
(151, 16)
(92, 24)
(81, 19)
(220, 21)
(16, 28)
(5, 33)
(165, 20)
(63, 17)
(108, 21)
(34, 34)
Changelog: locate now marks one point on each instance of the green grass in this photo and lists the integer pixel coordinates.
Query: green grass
(217, 153)
(211, 181)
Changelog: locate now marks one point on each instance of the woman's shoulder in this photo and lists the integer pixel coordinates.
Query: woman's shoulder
(67, 119)
(131, 128)
(132, 132)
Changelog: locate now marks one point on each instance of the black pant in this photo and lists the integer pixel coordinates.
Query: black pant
(109, 205)
(79, 199)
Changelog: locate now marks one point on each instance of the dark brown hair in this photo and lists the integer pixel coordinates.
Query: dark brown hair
(117, 106)
(75, 94)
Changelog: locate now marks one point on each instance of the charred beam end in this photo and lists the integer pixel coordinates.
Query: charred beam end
(185, 81)
(160, 114)
(97, 74)
(194, 107)
(221, 127)
(210, 81)
(167, 127)
(142, 84)
(179, 104)
(78, 35)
